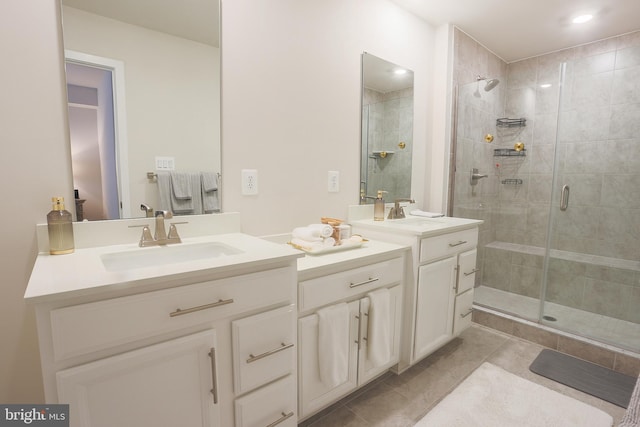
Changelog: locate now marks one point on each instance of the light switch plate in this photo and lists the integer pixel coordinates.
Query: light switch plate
(334, 182)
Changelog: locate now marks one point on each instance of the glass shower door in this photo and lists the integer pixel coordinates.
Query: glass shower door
(591, 273)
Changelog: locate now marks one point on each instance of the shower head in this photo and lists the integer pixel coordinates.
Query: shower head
(490, 84)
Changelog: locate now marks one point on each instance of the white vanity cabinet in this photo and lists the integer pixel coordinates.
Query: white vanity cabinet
(178, 352)
(350, 285)
(440, 276)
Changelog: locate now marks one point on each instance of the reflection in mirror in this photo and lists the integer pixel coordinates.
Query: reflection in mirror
(166, 100)
(387, 129)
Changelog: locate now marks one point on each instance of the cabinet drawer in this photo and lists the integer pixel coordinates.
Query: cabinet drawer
(448, 244)
(100, 325)
(263, 348)
(468, 270)
(270, 406)
(462, 316)
(334, 287)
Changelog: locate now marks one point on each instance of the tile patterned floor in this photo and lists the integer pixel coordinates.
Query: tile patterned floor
(402, 400)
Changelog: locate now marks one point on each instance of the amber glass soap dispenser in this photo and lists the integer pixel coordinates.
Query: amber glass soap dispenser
(60, 228)
(378, 207)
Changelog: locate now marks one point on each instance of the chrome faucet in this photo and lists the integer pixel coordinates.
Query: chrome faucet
(397, 211)
(147, 209)
(160, 237)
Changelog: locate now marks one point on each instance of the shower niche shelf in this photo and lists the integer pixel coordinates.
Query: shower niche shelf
(509, 152)
(506, 122)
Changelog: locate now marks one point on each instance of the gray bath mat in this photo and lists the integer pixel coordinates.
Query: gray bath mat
(587, 377)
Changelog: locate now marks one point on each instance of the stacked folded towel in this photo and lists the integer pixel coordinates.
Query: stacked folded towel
(418, 212)
(313, 237)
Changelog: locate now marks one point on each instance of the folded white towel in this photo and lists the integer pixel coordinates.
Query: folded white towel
(418, 212)
(305, 233)
(333, 344)
(323, 230)
(379, 340)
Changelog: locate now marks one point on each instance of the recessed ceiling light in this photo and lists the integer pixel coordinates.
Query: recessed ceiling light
(546, 85)
(400, 71)
(582, 19)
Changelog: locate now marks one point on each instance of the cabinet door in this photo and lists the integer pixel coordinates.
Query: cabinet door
(434, 306)
(168, 384)
(464, 308)
(366, 370)
(467, 273)
(313, 394)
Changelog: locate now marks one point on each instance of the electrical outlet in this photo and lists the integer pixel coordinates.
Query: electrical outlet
(249, 182)
(334, 181)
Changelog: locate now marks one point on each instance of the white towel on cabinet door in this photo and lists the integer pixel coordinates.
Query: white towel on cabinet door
(333, 344)
(379, 339)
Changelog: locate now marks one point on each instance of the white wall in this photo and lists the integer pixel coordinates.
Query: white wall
(292, 110)
(291, 102)
(37, 166)
(172, 95)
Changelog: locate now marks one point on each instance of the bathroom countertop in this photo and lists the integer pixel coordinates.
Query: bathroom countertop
(370, 251)
(83, 273)
(418, 226)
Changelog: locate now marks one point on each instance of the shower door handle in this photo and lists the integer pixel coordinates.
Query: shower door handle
(564, 199)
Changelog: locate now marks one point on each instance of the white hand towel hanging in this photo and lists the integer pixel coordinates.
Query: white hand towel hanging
(379, 339)
(333, 344)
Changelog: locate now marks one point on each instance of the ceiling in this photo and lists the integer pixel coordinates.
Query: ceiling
(512, 29)
(518, 29)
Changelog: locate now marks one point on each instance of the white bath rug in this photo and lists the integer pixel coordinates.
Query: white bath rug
(493, 397)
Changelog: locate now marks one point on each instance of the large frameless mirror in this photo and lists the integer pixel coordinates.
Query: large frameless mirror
(160, 68)
(387, 129)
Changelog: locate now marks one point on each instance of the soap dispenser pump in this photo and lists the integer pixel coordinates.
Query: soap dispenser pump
(378, 207)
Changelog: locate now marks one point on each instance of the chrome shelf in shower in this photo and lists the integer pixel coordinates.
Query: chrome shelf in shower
(506, 122)
(512, 181)
(509, 152)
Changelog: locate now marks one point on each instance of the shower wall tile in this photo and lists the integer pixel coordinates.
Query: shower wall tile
(545, 127)
(594, 64)
(522, 74)
(607, 298)
(623, 156)
(633, 313)
(547, 99)
(540, 189)
(585, 189)
(591, 90)
(611, 274)
(584, 124)
(581, 157)
(495, 270)
(525, 281)
(625, 121)
(626, 86)
(628, 57)
(622, 191)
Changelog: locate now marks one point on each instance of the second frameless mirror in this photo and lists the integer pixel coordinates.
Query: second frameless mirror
(387, 129)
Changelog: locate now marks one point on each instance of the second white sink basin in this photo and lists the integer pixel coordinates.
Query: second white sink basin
(166, 254)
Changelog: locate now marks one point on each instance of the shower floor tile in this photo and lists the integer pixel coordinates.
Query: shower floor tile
(608, 330)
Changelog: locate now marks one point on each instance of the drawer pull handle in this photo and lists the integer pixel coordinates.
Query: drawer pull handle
(281, 419)
(366, 282)
(180, 312)
(461, 242)
(214, 378)
(475, 270)
(467, 313)
(283, 346)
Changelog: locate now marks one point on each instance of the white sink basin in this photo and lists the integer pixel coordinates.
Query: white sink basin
(167, 254)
